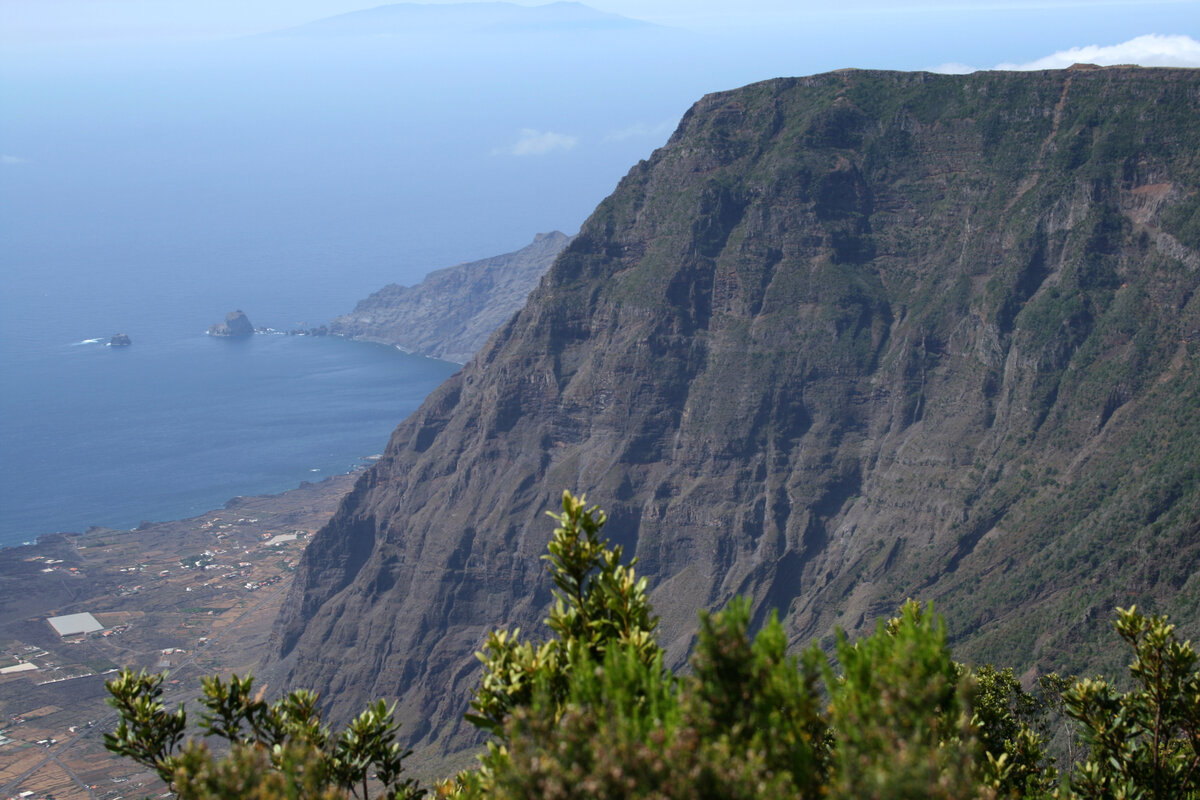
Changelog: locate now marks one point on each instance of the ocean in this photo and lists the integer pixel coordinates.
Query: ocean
(172, 426)
(150, 190)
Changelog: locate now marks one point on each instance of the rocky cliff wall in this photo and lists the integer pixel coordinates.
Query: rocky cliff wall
(451, 313)
(844, 340)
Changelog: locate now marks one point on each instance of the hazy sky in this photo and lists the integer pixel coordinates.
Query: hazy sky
(142, 154)
(39, 20)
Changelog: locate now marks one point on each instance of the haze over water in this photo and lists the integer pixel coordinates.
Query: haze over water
(149, 193)
(149, 190)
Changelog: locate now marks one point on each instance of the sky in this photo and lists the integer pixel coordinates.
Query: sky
(143, 78)
(102, 100)
(984, 27)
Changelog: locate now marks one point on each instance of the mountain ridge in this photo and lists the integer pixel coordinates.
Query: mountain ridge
(844, 339)
(404, 19)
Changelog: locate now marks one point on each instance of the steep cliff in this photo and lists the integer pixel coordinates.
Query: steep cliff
(451, 313)
(843, 340)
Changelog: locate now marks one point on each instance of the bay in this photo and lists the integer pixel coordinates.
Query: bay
(169, 428)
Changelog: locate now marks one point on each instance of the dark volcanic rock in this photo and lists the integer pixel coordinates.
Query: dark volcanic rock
(236, 325)
(320, 330)
(120, 340)
(451, 313)
(845, 339)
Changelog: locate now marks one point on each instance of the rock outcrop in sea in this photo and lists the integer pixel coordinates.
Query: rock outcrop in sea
(236, 325)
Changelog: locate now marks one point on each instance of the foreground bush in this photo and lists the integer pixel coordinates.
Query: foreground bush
(591, 712)
(279, 750)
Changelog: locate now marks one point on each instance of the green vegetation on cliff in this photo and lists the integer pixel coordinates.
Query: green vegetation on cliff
(592, 713)
(846, 339)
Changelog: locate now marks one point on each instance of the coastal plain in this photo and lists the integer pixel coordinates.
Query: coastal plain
(193, 597)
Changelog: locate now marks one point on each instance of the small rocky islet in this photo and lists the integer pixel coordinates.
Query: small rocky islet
(236, 326)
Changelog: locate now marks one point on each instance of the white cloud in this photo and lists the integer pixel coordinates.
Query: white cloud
(537, 143)
(640, 130)
(953, 68)
(1151, 50)
(9, 161)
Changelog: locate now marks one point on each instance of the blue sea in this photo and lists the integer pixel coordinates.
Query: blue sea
(151, 191)
(179, 422)
(174, 425)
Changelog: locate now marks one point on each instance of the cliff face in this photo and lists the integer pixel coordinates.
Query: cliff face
(844, 340)
(451, 313)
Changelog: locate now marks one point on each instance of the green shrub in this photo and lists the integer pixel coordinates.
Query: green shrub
(276, 750)
(592, 712)
(1144, 742)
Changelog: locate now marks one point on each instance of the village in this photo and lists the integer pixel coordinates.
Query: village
(191, 597)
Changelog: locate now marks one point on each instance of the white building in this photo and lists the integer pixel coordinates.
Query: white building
(72, 624)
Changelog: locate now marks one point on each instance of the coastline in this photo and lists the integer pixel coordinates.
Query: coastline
(303, 490)
(194, 596)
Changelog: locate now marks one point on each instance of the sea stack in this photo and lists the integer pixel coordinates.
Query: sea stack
(120, 340)
(236, 325)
